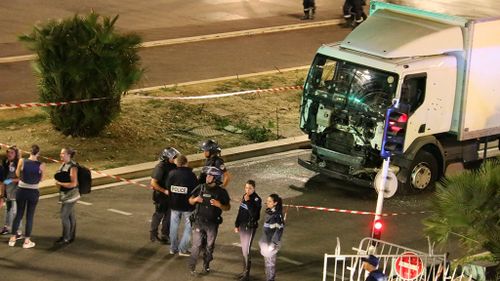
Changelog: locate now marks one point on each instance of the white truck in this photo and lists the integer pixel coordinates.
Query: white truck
(444, 69)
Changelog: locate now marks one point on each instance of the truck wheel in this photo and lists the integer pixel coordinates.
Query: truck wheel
(423, 174)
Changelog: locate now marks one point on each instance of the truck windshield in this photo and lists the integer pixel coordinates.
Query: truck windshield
(347, 86)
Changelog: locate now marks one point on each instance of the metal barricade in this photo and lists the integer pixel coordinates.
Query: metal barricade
(424, 266)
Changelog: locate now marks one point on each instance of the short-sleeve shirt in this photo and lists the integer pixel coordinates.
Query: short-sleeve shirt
(207, 212)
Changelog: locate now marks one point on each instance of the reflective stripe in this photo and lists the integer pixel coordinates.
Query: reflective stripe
(178, 189)
(273, 225)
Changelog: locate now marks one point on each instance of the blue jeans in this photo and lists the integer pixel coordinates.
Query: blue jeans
(175, 221)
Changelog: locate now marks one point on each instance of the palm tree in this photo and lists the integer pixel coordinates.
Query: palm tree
(80, 58)
(467, 205)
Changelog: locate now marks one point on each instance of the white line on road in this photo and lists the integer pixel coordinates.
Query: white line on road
(120, 212)
(216, 36)
(290, 260)
(84, 203)
(239, 33)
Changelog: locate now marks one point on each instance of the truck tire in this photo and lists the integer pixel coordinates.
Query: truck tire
(423, 174)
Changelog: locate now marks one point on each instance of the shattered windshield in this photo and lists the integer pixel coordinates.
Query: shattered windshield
(348, 86)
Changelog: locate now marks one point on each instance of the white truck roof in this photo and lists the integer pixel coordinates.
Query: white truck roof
(381, 36)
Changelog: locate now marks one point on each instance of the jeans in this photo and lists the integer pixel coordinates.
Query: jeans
(175, 221)
(206, 231)
(10, 212)
(68, 220)
(26, 199)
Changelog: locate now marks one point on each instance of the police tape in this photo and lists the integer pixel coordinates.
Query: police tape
(216, 96)
(118, 178)
(316, 208)
(47, 104)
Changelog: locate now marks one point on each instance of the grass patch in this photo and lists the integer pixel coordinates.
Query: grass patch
(145, 127)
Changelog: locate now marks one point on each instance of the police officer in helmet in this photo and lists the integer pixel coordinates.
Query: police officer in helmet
(212, 153)
(210, 200)
(160, 195)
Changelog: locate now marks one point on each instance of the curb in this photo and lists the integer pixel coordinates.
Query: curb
(195, 160)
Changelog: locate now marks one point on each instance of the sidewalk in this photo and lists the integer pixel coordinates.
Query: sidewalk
(195, 160)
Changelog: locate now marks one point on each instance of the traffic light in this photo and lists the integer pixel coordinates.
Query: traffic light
(377, 229)
(394, 132)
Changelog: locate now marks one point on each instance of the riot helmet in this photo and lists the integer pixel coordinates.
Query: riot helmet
(168, 153)
(213, 171)
(211, 146)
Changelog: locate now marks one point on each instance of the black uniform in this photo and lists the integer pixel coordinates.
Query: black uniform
(161, 201)
(247, 222)
(206, 223)
(309, 9)
(214, 161)
(354, 7)
(376, 275)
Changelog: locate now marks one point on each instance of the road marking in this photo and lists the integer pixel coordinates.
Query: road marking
(216, 36)
(290, 260)
(120, 212)
(84, 203)
(329, 274)
(240, 33)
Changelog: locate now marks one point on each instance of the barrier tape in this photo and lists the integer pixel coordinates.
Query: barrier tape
(352, 211)
(34, 104)
(118, 178)
(216, 96)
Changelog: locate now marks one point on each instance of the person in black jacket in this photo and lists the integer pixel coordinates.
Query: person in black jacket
(210, 200)
(370, 264)
(212, 152)
(160, 195)
(180, 183)
(270, 241)
(246, 224)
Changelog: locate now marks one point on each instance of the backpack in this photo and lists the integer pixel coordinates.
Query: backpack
(84, 179)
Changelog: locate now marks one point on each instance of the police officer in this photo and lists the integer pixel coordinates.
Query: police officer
(246, 224)
(210, 200)
(309, 9)
(354, 7)
(212, 152)
(370, 264)
(160, 195)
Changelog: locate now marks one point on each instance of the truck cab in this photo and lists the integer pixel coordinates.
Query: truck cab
(414, 57)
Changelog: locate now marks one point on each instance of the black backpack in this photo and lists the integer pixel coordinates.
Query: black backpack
(84, 179)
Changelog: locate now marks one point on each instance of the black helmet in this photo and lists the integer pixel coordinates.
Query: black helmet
(169, 153)
(213, 171)
(211, 146)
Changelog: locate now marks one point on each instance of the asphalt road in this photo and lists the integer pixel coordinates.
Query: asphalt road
(114, 246)
(158, 20)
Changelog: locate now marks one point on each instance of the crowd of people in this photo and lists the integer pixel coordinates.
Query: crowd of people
(196, 203)
(181, 200)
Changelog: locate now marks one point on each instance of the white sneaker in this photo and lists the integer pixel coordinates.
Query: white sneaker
(28, 245)
(12, 243)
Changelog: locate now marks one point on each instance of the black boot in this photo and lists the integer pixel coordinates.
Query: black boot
(245, 276)
(306, 14)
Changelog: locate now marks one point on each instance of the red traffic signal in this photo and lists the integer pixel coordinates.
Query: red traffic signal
(394, 132)
(377, 229)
